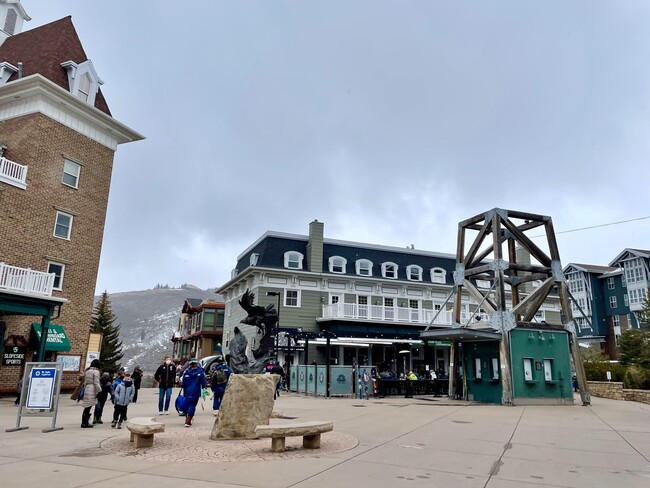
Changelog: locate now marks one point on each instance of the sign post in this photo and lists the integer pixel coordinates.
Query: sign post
(40, 394)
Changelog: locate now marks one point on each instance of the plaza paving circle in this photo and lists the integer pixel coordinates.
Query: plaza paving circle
(178, 444)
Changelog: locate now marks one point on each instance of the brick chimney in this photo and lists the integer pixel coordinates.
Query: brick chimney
(315, 247)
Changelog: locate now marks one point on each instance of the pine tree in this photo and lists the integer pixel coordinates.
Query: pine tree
(644, 314)
(103, 322)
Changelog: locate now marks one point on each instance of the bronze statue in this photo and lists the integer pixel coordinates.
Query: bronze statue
(265, 319)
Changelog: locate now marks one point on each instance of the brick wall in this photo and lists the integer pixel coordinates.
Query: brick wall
(28, 216)
(614, 391)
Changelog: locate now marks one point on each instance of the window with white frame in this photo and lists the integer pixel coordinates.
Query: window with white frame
(292, 298)
(610, 283)
(83, 91)
(71, 172)
(612, 302)
(389, 270)
(63, 225)
(57, 269)
(414, 272)
(254, 258)
(364, 267)
(625, 300)
(637, 296)
(634, 271)
(576, 282)
(540, 315)
(483, 284)
(616, 320)
(438, 275)
(337, 264)
(10, 21)
(293, 260)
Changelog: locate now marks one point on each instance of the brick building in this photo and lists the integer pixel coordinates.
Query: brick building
(57, 143)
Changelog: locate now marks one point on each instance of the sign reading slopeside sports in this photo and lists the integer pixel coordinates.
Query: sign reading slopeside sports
(14, 355)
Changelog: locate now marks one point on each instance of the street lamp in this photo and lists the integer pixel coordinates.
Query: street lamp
(277, 324)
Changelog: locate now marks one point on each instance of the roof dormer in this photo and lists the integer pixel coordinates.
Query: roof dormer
(12, 16)
(6, 70)
(83, 80)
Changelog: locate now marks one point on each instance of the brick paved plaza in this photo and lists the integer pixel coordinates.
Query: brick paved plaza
(389, 442)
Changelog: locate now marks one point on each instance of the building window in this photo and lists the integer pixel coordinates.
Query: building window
(292, 298)
(389, 270)
(576, 282)
(57, 269)
(634, 271)
(616, 320)
(220, 317)
(63, 225)
(625, 300)
(438, 275)
(483, 284)
(337, 264)
(540, 315)
(414, 272)
(83, 92)
(10, 22)
(254, 258)
(293, 259)
(612, 302)
(71, 173)
(610, 283)
(364, 267)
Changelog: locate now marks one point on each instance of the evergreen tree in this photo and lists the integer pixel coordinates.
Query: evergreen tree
(644, 314)
(103, 322)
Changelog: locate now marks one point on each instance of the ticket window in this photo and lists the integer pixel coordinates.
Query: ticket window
(548, 370)
(528, 369)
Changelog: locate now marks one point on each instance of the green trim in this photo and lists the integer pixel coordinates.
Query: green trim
(57, 339)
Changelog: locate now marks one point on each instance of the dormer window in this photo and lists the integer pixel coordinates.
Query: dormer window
(337, 264)
(389, 270)
(293, 260)
(438, 275)
(10, 22)
(414, 272)
(364, 267)
(83, 80)
(254, 258)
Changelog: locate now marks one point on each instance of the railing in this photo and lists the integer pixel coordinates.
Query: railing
(26, 280)
(13, 173)
(383, 313)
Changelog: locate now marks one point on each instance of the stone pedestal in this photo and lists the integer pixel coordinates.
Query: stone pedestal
(247, 403)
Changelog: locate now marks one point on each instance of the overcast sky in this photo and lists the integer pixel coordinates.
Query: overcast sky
(389, 121)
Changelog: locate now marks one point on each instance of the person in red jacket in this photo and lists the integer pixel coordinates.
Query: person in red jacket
(166, 377)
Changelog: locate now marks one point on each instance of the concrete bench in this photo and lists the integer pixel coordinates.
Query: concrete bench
(142, 430)
(310, 432)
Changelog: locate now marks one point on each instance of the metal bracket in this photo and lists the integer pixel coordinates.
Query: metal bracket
(459, 274)
(570, 327)
(503, 320)
(499, 264)
(556, 270)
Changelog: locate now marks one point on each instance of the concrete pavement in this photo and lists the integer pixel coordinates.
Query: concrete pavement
(388, 442)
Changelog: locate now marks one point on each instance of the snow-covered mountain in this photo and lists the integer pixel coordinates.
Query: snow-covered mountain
(148, 320)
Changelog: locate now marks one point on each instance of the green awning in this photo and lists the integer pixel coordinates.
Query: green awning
(57, 339)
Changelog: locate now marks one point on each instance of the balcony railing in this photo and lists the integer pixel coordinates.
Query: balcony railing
(381, 313)
(25, 280)
(13, 173)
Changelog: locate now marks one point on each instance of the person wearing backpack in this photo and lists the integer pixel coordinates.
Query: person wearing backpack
(124, 393)
(219, 380)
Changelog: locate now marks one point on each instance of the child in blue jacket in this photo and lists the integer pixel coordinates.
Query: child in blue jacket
(193, 382)
(123, 395)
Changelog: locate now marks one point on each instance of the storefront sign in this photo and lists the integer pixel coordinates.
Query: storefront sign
(439, 343)
(14, 355)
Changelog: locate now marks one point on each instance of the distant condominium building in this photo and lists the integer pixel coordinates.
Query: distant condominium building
(57, 144)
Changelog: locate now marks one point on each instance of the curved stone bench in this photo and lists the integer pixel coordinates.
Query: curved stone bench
(310, 432)
(142, 430)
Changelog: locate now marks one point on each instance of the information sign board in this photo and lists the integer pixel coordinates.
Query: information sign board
(41, 387)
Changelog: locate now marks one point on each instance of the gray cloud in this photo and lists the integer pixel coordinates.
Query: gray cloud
(389, 121)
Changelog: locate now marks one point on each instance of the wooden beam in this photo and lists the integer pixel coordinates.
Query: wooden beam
(478, 270)
(529, 306)
(479, 297)
(528, 244)
(477, 242)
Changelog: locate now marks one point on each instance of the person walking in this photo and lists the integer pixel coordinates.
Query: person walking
(124, 394)
(218, 382)
(193, 382)
(91, 388)
(277, 369)
(166, 377)
(106, 391)
(137, 381)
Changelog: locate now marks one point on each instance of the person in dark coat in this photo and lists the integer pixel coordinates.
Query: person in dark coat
(218, 384)
(106, 391)
(277, 369)
(166, 377)
(137, 381)
(193, 382)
